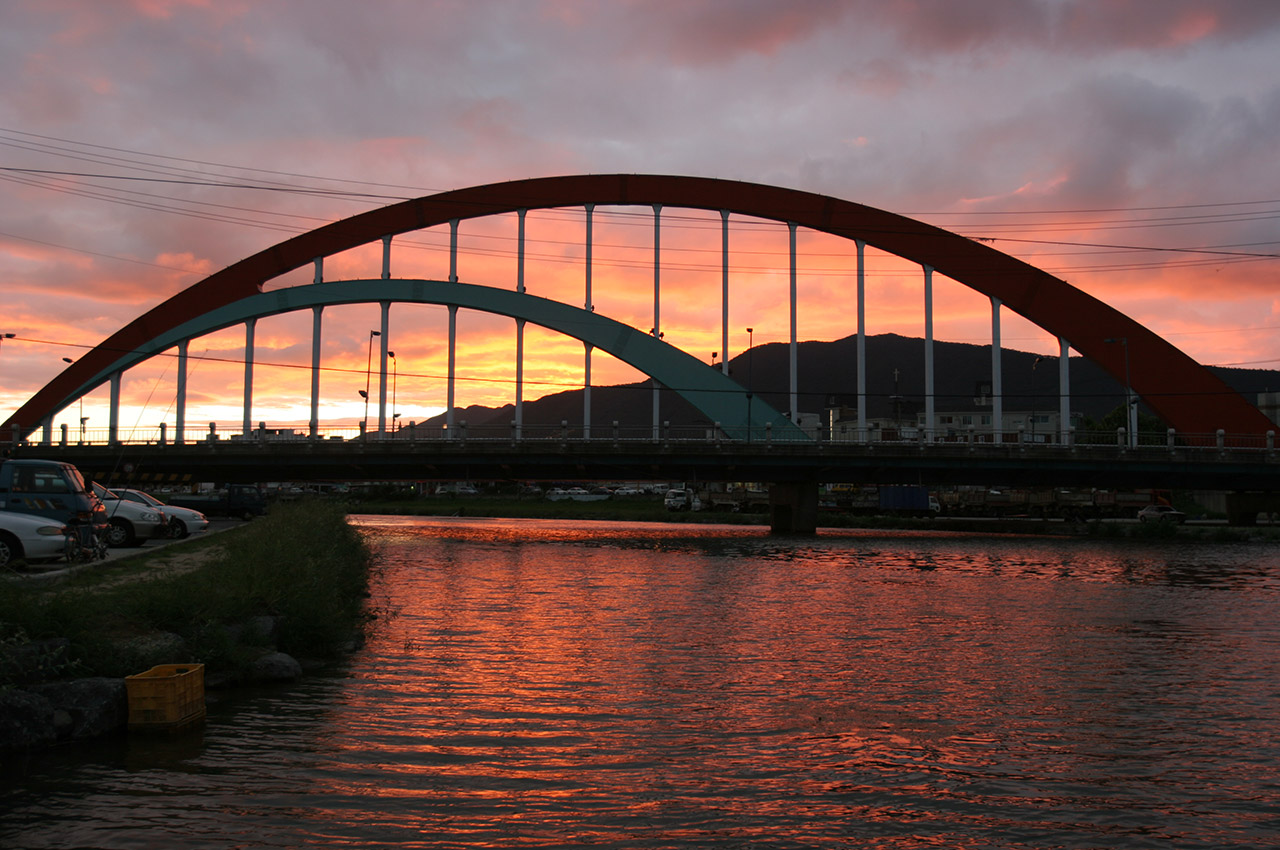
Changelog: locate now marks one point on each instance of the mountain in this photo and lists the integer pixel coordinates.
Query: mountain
(827, 377)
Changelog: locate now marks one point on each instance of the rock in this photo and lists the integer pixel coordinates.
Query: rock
(149, 650)
(26, 721)
(95, 706)
(256, 631)
(276, 667)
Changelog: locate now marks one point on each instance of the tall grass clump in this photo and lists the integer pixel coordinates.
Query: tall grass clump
(305, 565)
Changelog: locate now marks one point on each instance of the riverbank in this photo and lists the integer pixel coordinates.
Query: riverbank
(260, 602)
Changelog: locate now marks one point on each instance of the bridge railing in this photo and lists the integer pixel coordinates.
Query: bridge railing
(704, 433)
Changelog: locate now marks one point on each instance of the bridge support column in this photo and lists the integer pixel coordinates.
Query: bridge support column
(929, 418)
(793, 507)
(586, 391)
(113, 420)
(862, 342)
(997, 374)
(316, 329)
(793, 350)
(589, 307)
(1243, 508)
(247, 422)
(657, 302)
(724, 290)
(1064, 391)
(382, 368)
(453, 367)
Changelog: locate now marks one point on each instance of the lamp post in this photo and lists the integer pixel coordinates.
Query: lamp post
(83, 418)
(1130, 408)
(368, 368)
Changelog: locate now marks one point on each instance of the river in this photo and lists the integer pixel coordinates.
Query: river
(538, 683)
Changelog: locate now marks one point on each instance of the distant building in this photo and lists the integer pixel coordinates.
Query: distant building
(1033, 426)
(1269, 404)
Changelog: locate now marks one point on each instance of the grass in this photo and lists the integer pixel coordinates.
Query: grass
(302, 566)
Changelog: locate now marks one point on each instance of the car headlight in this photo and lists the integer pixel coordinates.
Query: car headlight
(52, 530)
(150, 516)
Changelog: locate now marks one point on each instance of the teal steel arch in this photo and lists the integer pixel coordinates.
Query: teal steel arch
(710, 391)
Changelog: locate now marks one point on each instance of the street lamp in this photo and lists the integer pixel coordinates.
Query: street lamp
(1130, 408)
(83, 418)
(368, 368)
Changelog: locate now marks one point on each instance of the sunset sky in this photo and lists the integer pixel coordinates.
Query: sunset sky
(1127, 146)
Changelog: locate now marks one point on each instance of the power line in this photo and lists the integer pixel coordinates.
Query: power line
(219, 184)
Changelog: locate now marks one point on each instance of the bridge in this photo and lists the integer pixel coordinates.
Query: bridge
(1215, 437)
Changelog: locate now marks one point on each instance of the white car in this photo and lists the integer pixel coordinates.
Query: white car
(1161, 513)
(131, 524)
(183, 522)
(25, 537)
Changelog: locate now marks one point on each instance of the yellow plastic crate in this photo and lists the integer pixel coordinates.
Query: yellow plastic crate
(166, 697)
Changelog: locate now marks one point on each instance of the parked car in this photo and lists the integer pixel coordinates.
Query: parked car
(129, 523)
(24, 537)
(55, 491)
(1161, 513)
(183, 522)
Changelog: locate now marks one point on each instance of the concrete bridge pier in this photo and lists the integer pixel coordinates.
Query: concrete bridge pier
(1243, 508)
(793, 507)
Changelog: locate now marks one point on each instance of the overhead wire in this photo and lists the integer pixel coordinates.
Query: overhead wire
(178, 171)
(641, 383)
(149, 165)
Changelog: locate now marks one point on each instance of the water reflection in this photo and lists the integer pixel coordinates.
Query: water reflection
(557, 684)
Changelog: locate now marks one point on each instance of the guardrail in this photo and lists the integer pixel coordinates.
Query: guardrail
(711, 434)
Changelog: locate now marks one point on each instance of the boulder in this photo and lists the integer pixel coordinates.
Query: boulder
(95, 706)
(275, 667)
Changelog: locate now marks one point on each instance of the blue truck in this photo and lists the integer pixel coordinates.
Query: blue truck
(893, 500)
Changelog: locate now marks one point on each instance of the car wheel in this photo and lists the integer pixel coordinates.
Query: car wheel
(120, 533)
(178, 529)
(10, 550)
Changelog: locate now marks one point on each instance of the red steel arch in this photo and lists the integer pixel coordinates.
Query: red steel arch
(1182, 392)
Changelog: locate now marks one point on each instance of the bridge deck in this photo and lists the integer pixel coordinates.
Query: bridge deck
(602, 459)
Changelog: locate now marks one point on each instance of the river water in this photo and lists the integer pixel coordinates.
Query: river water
(553, 684)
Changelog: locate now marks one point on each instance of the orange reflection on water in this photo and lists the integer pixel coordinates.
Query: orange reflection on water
(545, 683)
